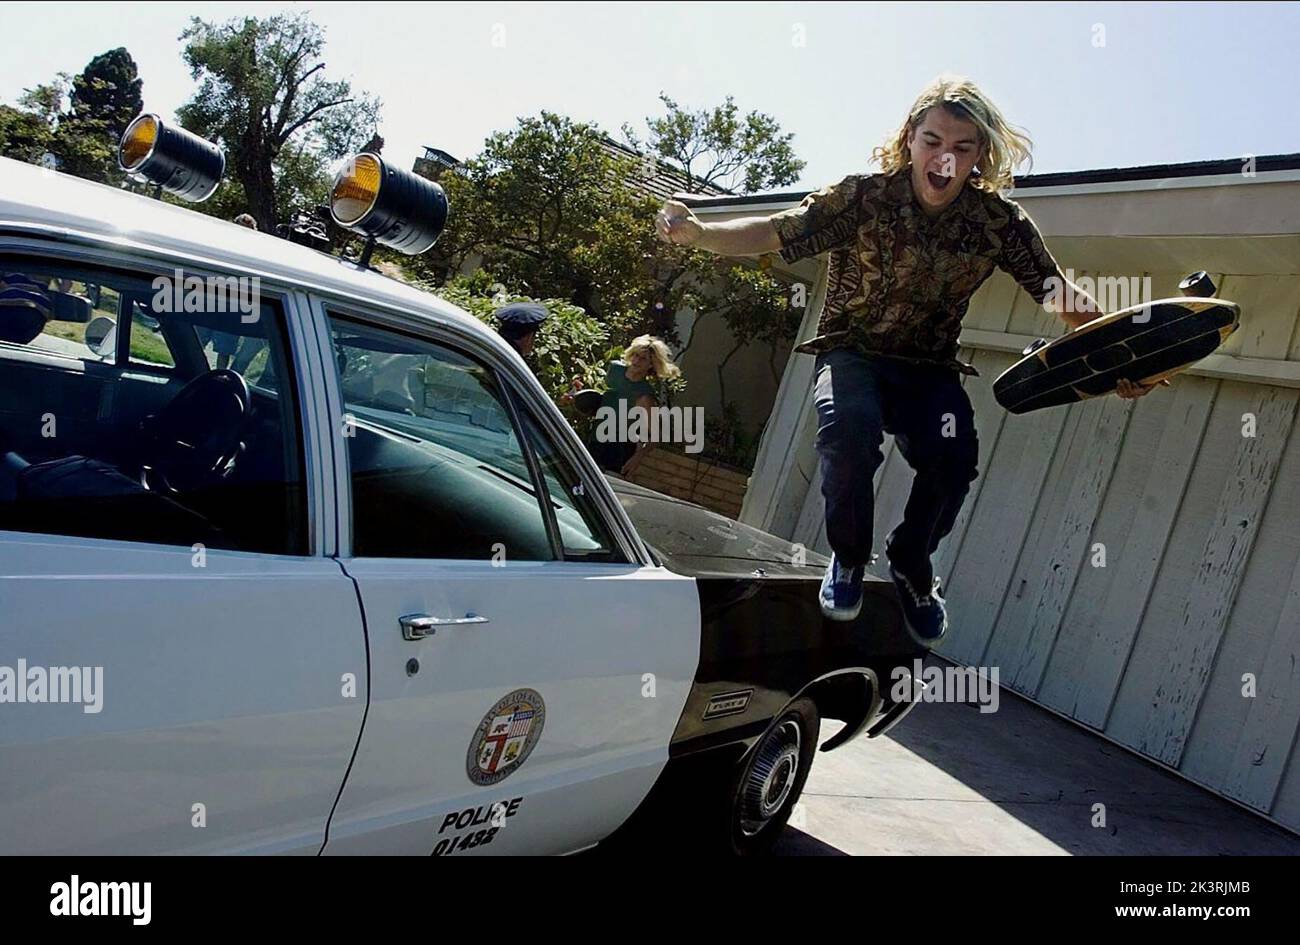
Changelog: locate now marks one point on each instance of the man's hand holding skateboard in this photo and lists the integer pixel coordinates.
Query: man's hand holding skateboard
(1084, 310)
(1130, 390)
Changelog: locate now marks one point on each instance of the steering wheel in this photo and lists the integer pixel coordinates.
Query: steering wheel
(196, 437)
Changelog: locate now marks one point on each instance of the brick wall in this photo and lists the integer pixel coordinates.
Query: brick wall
(699, 481)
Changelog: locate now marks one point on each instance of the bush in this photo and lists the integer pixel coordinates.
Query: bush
(570, 344)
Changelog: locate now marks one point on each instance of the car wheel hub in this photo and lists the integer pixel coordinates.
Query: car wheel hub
(771, 778)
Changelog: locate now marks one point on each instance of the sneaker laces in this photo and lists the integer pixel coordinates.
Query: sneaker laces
(844, 577)
(931, 598)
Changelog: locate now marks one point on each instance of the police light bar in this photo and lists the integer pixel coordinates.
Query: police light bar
(389, 205)
(178, 161)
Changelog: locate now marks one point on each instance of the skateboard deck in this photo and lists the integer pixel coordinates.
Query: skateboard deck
(1145, 343)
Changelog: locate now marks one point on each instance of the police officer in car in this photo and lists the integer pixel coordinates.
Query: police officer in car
(519, 323)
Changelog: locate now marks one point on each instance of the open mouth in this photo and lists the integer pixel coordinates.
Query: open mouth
(938, 181)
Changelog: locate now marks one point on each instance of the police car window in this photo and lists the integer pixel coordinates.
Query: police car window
(437, 470)
(583, 534)
(223, 315)
(148, 345)
(104, 450)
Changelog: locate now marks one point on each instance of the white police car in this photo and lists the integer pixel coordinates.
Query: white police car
(297, 559)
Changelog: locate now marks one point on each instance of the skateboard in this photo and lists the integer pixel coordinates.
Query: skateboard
(1145, 344)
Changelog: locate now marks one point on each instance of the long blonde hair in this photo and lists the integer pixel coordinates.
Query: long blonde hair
(1003, 147)
(661, 358)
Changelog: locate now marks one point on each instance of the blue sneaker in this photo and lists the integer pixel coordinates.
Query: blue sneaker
(841, 596)
(924, 615)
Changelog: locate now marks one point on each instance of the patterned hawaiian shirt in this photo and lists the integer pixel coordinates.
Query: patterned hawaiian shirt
(899, 282)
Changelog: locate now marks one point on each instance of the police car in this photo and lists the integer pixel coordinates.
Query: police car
(295, 558)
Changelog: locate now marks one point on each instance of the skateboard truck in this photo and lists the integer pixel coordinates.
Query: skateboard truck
(1198, 285)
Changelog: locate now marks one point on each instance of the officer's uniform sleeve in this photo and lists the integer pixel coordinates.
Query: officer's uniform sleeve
(1026, 259)
(824, 220)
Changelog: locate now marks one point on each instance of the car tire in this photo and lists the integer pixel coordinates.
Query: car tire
(769, 780)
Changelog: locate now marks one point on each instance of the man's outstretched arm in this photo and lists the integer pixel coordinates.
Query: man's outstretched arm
(748, 236)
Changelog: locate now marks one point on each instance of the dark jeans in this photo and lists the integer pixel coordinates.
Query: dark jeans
(859, 399)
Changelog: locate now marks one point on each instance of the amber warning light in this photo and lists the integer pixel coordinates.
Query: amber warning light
(176, 160)
(390, 206)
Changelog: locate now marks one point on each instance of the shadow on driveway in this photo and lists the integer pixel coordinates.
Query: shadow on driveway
(952, 780)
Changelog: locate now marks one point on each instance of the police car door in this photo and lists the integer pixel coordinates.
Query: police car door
(526, 670)
(181, 671)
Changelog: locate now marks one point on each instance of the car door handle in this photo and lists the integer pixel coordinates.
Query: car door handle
(420, 626)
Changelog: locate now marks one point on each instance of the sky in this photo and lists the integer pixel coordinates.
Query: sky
(1095, 84)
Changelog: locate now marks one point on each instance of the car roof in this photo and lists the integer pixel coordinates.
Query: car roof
(39, 196)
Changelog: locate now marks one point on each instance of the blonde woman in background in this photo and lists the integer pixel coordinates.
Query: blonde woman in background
(627, 386)
(907, 249)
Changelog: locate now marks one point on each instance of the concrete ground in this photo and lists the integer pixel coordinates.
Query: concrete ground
(950, 780)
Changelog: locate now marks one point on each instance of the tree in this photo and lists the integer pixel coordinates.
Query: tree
(107, 92)
(27, 132)
(546, 207)
(716, 146)
(102, 101)
(264, 97)
(551, 211)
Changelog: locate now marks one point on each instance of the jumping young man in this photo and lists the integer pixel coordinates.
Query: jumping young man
(908, 248)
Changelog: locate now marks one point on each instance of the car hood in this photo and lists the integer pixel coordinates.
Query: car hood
(691, 539)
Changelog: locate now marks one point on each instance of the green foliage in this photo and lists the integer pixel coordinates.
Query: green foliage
(543, 205)
(719, 147)
(548, 209)
(84, 138)
(102, 101)
(728, 442)
(570, 343)
(263, 96)
(84, 149)
(24, 135)
(756, 307)
(107, 92)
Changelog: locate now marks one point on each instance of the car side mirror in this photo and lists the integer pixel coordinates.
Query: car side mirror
(101, 336)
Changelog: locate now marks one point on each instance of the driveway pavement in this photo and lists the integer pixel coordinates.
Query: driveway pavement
(1021, 780)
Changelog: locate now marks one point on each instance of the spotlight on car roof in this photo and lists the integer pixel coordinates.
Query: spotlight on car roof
(391, 206)
(178, 161)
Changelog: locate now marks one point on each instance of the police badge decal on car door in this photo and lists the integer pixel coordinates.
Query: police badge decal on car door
(506, 737)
